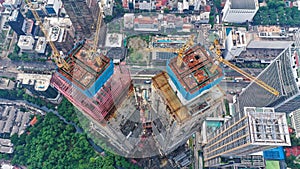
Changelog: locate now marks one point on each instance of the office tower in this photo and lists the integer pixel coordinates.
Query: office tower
(62, 37)
(17, 22)
(52, 7)
(239, 11)
(253, 130)
(282, 74)
(82, 18)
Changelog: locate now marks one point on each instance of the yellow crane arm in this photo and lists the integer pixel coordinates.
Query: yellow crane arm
(247, 75)
(217, 52)
(98, 26)
(60, 62)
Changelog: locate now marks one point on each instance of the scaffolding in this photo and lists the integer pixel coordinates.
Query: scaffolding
(105, 101)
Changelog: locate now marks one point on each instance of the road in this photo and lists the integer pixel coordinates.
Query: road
(11, 66)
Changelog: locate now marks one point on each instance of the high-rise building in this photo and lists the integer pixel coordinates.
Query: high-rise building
(17, 22)
(52, 7)
(239, 11)
(281, 74)
(62, 38)
(82, 17)
(253, 130)
(96, 87)
(295, 120)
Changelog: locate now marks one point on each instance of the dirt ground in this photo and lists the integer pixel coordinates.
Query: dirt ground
(138, 54)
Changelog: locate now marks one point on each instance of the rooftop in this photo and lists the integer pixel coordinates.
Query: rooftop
(196, 73)
(41, 82)
(54, 33)
(243, 4)
(113, 40)
(145, 20)
(26, 40)
(258, 44)
(41, 45)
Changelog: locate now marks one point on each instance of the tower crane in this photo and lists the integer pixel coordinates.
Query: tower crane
(215, 48)
(216, 51)
(92, 51)
(180, 51)
(60, 62)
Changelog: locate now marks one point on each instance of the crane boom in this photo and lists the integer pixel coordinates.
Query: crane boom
(180, 51)
(217, 52)
(60, 62)
(247, 75)
(92, 51)
(99, 22)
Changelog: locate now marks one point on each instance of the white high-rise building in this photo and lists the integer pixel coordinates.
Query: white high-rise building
(253, 130)
(239, 11)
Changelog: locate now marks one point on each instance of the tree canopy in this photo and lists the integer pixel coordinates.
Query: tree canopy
(54, 144)
(276, 13)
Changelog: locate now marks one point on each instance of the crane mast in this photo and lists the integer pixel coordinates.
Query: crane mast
(96, 38)
(60, 62)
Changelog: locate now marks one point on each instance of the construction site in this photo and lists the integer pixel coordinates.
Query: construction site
(141, 120)
(134, 119)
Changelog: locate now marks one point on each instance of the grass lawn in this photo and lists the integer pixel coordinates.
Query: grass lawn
(272, 164)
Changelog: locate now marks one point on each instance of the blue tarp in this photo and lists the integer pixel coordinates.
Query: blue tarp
(274, 154)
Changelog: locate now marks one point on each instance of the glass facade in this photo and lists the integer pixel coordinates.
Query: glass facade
(279, 75)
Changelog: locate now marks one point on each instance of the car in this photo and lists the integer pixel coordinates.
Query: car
(147, 81)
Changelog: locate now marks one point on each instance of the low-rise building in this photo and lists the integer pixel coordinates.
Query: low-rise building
(146, 23)
(11, 4)
(41, 44)
(295, 120)
(272, 32)
(26, 42)
(239, 11)
(12, 121)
